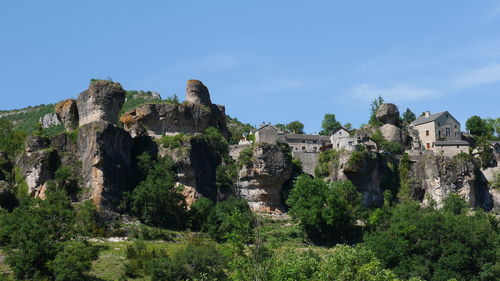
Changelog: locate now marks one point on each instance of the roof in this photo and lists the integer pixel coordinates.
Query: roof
(422, 119)
(341, 128)
(306, 137)
(268, 125)
(453, 142)
(494, 143)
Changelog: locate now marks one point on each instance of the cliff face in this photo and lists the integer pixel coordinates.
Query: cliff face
(434, 177)
(260, 181)
(102, 101)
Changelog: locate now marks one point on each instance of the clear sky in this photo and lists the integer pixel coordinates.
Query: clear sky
(266, 61)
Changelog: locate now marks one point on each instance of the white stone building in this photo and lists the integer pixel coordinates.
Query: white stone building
(341, 139)
(439, 132)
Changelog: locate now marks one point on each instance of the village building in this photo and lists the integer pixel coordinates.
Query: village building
(439, 132)
(342, 139)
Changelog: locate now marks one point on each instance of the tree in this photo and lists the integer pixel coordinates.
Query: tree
(327, 212)
(477, 127)
(329, 124)
(408, 117)
(295, 127)
(348, 126)
(374, 106)
(11, 141)
(73, 262)
(437, 244)
(157, 200)
(281, 127)
(230, 220)
(493, 125)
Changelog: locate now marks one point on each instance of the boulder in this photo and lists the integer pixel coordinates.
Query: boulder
(67, 114)
(38, 167)
(35, 143)
(261, 182)
(391, 133)
(102, 101)
(49, 120)
(388, 113)
(197, 93)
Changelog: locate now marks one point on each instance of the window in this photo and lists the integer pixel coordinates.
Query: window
(428, 146)
(315, 149)
(446, 115)
(426, 132)
(448, 133)
(314, 142)
(340, 133)
(338, 145)
(458, 146)
(439, 133)
(455, 126)
(303, 141)
(439, 123)
(303, 148)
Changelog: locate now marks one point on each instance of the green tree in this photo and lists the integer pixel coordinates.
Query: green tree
(327, 212)
(199, 213)
(157, 200)
(230, 220)
(11, 141)
(295, 127)
(329, 124)
(437, 244)
(493, 125)
(408, 117)
(477, 127)
(73, 262)
(376, 103)
(281, 127)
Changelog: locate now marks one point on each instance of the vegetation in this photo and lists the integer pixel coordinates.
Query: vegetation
(327, 212)
(295, 127)
(237, 129)
(11, 140)
(388, 146)
(173, 141)
(26, 120)
(408, 117)
(376, 103)
(329, 124)
(326, 160)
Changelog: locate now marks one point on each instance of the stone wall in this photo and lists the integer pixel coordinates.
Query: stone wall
(309, 160)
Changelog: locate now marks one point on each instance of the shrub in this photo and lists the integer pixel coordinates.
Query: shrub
(199, 213)
(73, 262)
(326, 160)
(231, 220)
(174, 141)
(245, 157)
(327, 212)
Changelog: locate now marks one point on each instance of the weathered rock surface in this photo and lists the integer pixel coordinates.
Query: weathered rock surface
(196, 162)
(391, 133)
(197, 93)
(67, 114)
(261, 182)
(105, 153)
(434, 177)
(388, 113)
(49, 120)
(102, 101)
(193, 116)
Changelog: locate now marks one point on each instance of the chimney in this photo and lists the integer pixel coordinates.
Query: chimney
(427, 114)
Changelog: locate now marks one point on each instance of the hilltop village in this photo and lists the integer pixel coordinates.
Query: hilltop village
(113, 165)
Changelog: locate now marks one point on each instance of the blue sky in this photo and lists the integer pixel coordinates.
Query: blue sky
(266, 61)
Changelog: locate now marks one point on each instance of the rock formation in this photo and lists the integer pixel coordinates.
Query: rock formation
(49, 120)
(193, 116)
(434, 177)
(102, 101)
(67, 113)
(261, 182)
(388, 114)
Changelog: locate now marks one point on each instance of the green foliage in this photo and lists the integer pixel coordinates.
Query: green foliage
(230, 220)
(214, 137)
(376, 103)
(73, 262)
(478, 127)
(199, 213)
(408, 117)
(295, 127)
(496, 181)
(329, 124)
(27, 119)
(245, 157)
(174, 141)
(237, 129)
(89, 222)
(404, 170)
(326, 160)
(493, 125)
(35, 235)
(67, 180)
(437, 244)
(11, 140)
(226, 176)
(356, 158)
(294, 265)
(157, 201)
(388, 146)
(327, 212)
(196, 261)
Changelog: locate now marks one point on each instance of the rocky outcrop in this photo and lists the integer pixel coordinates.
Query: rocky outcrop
(105, 153)
(67, 114)
(49, 120)
(388, 113)
(191, 117)
(260, 182)
(196, 162)
(434, 177)
(102, 101)
(197, 93)
(148, 96)
(391, 133)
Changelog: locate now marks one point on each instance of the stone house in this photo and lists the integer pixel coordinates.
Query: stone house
(268, 134)
(439, 132)
(306, 143)
(341, 139)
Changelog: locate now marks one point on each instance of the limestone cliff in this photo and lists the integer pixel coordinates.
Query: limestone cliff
(195, 115)
(102, 101)
(261, 178)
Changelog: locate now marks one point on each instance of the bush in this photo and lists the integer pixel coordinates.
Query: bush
(437, 244)
(199, 213)
(231, 220)
(73, 262)
(326, 160)
(174, 141)
(327, 212)
(245, 157)
(157, 201)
